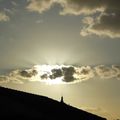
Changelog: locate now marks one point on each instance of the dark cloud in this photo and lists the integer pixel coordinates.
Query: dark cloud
(105, 25)
(25, 74)
(117, 69)
(28, 74)
(106, 22)
(44, 76)
(56, 73)
(68, 73)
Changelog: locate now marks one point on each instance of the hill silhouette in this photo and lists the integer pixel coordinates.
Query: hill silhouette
(19, 105)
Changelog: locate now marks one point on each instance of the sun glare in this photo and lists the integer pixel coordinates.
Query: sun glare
(45, 71)
(58, 74)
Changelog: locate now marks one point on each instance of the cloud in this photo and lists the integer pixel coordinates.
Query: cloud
(104, 25)
(75, 7)
(4, 79)
(4, 17)
(105, 14)
(44, 76)
(28, 74)
(68, 73)
(56, 73)
(105, 72)
(117, 69)
(78, 7)
(39, 5)
(62, 74)
(84, 73)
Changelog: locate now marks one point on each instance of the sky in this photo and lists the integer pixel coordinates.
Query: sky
(66, 48)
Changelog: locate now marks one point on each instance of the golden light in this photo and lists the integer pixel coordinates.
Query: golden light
(46, 69)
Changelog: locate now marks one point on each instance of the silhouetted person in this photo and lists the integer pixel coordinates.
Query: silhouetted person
(62, 101)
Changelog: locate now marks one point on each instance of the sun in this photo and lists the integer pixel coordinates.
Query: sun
(46, 72)
(57, 74)
(54, 81)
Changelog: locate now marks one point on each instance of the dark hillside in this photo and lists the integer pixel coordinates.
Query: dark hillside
(16, 104)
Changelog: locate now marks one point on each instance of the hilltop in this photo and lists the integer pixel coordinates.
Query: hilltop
(17, 104)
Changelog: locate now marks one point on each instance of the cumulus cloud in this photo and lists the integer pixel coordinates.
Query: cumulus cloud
(78, 7)
(75, 7)
(84, 73)
(105, 14)
(106, 22)
(4, 17)
(28, 74)
(39, 5)
(62, 74)
(104, 25)
(105, 72)
(56, 73)
(68, 73)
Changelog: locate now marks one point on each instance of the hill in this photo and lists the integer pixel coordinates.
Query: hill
(19, 105)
